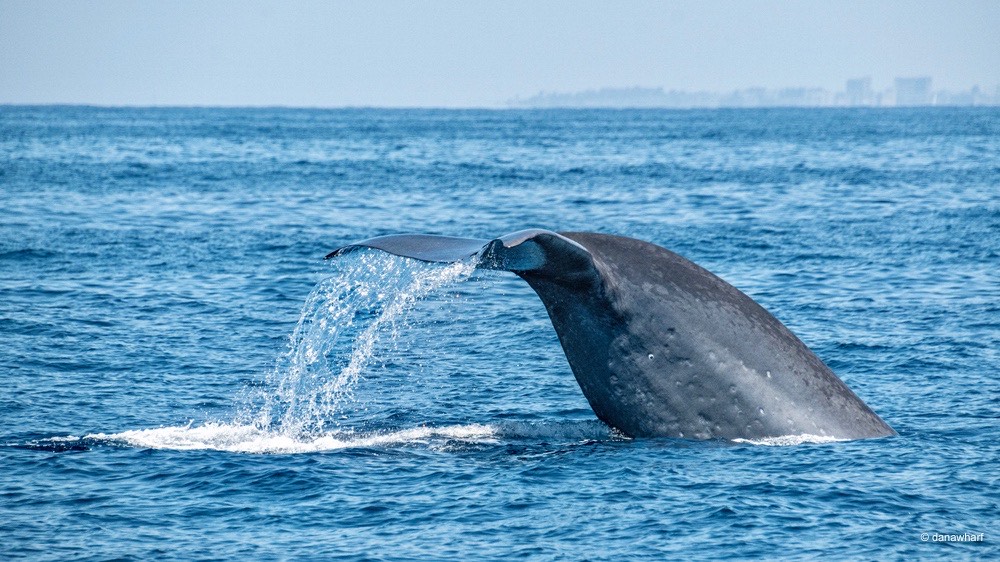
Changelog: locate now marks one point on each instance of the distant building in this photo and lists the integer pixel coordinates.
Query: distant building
(973, 96)
(913, 91)
(858, 91)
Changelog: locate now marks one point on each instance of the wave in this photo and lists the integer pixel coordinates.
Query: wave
(790, 440)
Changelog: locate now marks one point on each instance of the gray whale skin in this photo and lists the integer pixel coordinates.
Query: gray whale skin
(660, 346)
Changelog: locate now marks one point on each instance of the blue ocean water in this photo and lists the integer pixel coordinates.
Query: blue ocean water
(185, 377)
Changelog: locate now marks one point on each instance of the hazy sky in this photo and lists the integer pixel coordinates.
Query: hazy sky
(474, 53)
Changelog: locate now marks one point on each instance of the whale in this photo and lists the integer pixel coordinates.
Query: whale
(660, 346)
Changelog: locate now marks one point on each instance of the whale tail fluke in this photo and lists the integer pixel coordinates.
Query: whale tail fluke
(528, 251)
(423, 247)
(659, 345)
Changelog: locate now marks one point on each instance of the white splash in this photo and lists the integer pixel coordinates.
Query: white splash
(790, 440)
(236, 438)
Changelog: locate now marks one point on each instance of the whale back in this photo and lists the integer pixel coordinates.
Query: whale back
(663, 347)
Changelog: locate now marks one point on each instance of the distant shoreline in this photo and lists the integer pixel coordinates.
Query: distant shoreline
(907, 92)
(491, 108)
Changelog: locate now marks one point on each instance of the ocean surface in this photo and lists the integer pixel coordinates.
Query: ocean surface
(184, 377)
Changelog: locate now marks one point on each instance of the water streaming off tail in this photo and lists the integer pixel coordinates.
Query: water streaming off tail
(346, 322)
(350, 321)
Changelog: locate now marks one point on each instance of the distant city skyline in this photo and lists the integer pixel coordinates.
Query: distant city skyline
(910, 91)
(476, 53)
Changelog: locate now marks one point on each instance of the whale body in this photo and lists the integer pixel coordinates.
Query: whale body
(660, 346)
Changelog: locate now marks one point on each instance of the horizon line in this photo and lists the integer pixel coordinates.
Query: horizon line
(89, 105)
